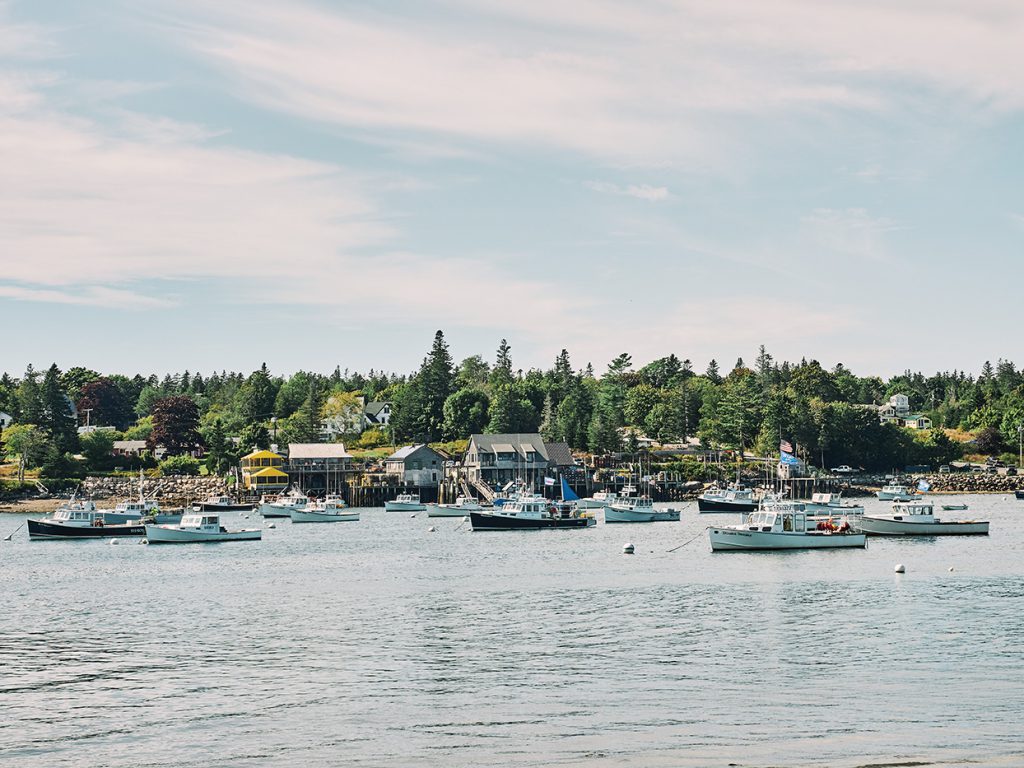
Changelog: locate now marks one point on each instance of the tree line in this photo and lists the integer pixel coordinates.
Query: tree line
(823, 412)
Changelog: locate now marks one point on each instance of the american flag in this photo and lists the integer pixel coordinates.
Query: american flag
(785, 446)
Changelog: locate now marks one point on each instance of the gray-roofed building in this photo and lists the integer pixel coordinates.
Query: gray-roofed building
(418, 465)
(318, 466)
(500, 459)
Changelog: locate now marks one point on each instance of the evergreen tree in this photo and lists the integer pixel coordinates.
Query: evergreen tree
(29, 399)
(436, 382)
(254, 437)
(465, 413)
(219, 456)
(548, 423)
(255, 401)
(58, 419)
(712, 373)
(501, 374)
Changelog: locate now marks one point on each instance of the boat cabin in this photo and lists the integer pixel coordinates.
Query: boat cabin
(201, 522)
(78, 516)
(918, 511)
(635, 502)
(140, 508)
(781, 519)
(826, 499)
(533, 508)
(407, 498)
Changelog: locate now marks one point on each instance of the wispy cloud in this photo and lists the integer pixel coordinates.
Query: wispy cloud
(639, 191)
(849, 231)
(644, 82)
(90, 296)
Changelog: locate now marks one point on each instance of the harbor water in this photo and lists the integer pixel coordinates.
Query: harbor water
(383, 643)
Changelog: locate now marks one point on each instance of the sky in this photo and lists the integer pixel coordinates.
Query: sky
(195, 185)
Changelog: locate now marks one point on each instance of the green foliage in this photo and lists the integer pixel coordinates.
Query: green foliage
(372, 438)
(180, 465)
(175, 425)
(98, 449)
(253, 437)
(220, 455)
(465, 413)
(58, 419)
(142, 429)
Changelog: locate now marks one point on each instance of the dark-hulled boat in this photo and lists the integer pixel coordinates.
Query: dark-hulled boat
(729, 500)
(81, 524)
(1019, 494)
(221, 504)
(530, 513)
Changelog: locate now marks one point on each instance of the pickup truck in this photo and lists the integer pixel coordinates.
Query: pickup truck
(844, 469)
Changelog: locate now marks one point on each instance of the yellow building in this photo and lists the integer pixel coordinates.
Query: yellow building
(262, 472)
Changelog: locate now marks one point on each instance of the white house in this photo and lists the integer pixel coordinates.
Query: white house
(897, 411)
(377, 414)
(5, 420)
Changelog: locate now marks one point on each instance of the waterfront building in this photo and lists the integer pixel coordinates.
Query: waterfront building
(263, 472)
(417, 465)
(318, 467)
(496, 460)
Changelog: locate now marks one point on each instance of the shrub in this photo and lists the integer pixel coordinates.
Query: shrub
(180, 465)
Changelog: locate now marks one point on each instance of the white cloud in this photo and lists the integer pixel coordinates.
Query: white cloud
(640, 191)
(643, 82)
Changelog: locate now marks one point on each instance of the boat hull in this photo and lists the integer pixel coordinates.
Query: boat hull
(41, 529)
(306, 516)
(715, 505)
(483, 521)
(886, 496)
(271, 510)
(739, 540)
(403, 506)
(881, 526)
(1019, 494)
(205, 507)
(441, 510)
(159, 534)
(618, 515)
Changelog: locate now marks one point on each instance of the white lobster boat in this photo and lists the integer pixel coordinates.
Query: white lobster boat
(894, 492)
(405, 502)
(779, 526)
(599, 500)
(284, 505)
(918, 519)
(331, 510)
(637, 509)
(463, 506)
(831, 504)
(199, 527)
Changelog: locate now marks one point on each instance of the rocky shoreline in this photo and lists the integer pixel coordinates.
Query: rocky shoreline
(171, 491)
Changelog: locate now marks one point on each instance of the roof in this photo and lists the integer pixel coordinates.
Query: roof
(269, 472)
(129, 445)
(375, 407)
(409, 450)
(263, 455)
(559, 454)
(506, 443)
(317, 451)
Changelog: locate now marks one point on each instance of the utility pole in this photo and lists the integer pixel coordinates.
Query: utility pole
(1020, 446)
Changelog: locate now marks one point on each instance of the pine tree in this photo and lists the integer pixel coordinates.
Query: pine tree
(58, 419)
(501, 374)
(219, 455)
(712, 373)
(548, 423)
(436, 384)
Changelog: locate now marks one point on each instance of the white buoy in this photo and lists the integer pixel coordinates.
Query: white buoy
(271, 525)
(413, 515)
(431, 529)
(144, 541)
(465, 518)
(900, 568)
(113, 541)
(627, 549)
(951, 569)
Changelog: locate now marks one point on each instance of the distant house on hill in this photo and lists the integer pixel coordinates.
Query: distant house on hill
(5, 420)
(417, 465)
(377, 414)
(897, 411)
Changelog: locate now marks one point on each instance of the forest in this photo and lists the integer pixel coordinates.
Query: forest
(823, 412)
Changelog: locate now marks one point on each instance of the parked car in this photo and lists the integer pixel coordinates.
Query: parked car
(844, 469)
(945, 469)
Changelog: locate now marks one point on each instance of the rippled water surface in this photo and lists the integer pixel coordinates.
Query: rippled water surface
(381, 643)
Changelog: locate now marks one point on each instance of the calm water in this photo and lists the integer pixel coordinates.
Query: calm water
(380, 643)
